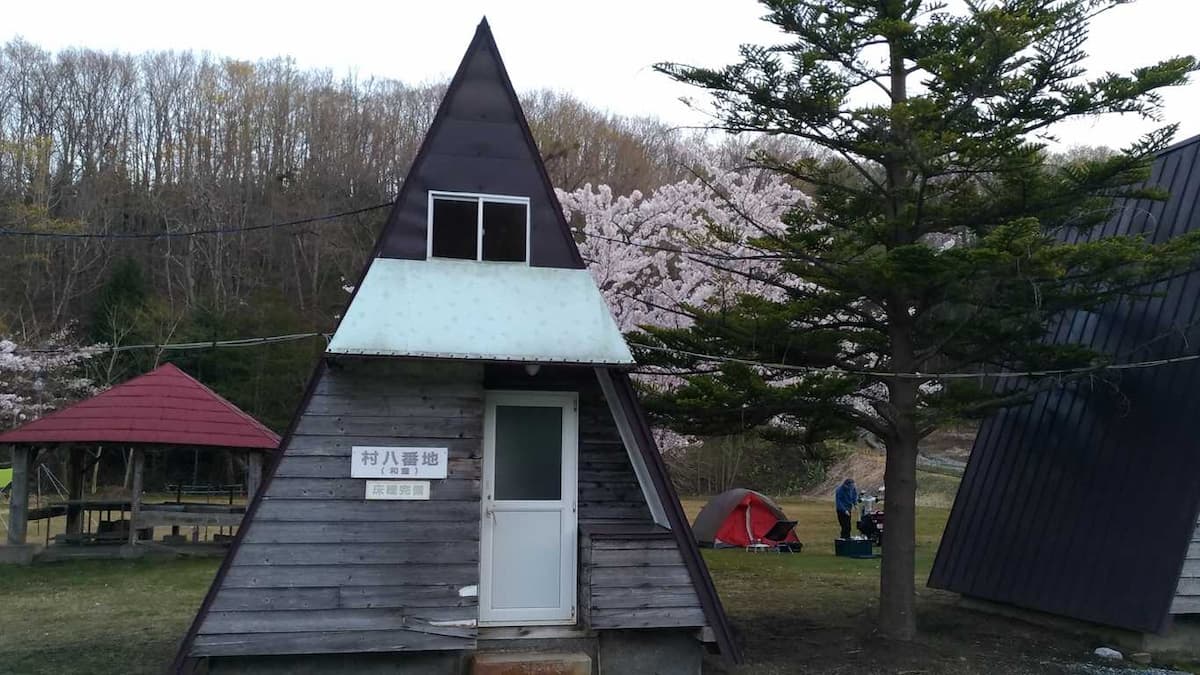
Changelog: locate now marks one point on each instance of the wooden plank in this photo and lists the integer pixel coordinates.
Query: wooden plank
(636, 557)
(305, 510)
(154, 517)
(1188, 586)
(648, 618)
(18, 504)
(309, 576)
(641, 598)
(135, 506)
(1193, 552)
(339, 467)
(355, 554)
(339, 446)
(262, 599)
(1191, 568)
(368, 597)
(603, 511)
(1186, 604)
(279, 532)
(656, 541)
(254, 472)
(325, 642)
(355, 488)
(398, 427)
(338, 619)
(639, 577)
(623, 494)
(398, 404)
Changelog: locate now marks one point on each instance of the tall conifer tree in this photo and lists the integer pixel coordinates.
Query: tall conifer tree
(940, 239)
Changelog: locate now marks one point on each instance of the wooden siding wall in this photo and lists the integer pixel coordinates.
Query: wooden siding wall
(320, 569)
(608, 487)
(635, 581)
(1187, 596)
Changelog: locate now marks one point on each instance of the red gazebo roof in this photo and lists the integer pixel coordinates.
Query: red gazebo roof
(165, 406)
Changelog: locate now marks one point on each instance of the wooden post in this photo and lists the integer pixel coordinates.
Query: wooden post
(74, 490)
(253, 474)
(135, 499)
(18, 507)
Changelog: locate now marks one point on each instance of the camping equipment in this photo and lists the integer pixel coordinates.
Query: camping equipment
(852, 548)
(870, 520)
(744, 518)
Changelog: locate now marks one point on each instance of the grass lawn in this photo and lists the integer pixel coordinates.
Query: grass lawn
(805, 613)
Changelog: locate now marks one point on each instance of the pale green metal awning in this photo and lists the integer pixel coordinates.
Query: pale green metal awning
(466, 309)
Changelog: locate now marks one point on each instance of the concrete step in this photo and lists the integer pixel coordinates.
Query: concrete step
(531, 663)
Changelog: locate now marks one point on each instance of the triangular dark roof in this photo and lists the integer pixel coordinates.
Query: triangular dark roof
(480, 142)
(461, 140)
(165, 406)
(1083, 502)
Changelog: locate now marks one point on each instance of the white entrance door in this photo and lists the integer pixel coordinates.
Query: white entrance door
(528, 539)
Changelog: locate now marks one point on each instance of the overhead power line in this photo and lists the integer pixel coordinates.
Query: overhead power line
(1059, 372)
(208, 344)
(187, 233)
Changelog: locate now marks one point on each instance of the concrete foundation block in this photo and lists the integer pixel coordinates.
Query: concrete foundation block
(651, 652)
(16, 554)
(517, 663)
(416, 663)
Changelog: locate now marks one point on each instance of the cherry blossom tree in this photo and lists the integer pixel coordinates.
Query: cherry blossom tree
(686, 244)
(39, 379)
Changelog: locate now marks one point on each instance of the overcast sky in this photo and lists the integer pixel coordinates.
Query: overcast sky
(599, 51)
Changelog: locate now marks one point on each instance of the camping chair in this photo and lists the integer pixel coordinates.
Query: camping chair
(778, 532)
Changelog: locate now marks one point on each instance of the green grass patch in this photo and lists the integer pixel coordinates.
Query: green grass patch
(98, 616)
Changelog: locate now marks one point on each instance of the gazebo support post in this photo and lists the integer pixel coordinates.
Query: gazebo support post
(74, 491)
(254, 466)
(135, 499)
(18, 507)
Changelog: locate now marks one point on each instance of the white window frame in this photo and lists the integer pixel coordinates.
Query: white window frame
(480, 199)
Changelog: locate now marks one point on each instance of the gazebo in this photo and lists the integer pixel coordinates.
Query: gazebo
(160, 410)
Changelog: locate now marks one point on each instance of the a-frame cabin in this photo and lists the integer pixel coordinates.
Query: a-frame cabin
(469, 475)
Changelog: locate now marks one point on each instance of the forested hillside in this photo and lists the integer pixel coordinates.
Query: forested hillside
(129, 145)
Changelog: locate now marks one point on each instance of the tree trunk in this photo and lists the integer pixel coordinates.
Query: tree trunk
(897, 577)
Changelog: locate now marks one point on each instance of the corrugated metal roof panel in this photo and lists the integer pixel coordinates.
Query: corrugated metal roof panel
(1081, 503)
(467, 309)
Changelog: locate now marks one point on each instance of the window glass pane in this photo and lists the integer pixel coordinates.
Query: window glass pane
(528, 452)
(504, 231)
(455, 228)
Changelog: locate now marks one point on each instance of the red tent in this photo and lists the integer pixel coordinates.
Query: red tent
(739, 517)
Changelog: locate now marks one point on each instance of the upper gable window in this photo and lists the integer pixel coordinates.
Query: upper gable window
(478, 227)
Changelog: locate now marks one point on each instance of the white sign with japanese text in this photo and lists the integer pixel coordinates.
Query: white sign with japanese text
(384, 462)
(397, 489)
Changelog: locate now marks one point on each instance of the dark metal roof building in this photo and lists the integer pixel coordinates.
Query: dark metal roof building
(1084, 503)
(477, 343)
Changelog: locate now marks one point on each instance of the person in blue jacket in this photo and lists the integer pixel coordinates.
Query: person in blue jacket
(844, 499)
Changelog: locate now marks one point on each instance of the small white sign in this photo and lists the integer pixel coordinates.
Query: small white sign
(367, 461)
(397, 489)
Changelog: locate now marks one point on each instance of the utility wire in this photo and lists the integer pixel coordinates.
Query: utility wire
(274, 339)
(924, 376)
(185, 346)
(5, 232)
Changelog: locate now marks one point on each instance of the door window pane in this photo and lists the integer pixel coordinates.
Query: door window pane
(455, 228)
(528, 452)
(504, 231)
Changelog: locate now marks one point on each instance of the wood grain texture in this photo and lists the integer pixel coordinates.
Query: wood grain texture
(261, 599)
(322, 570)
(324, 642)
(338, 532)
(308, 576)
